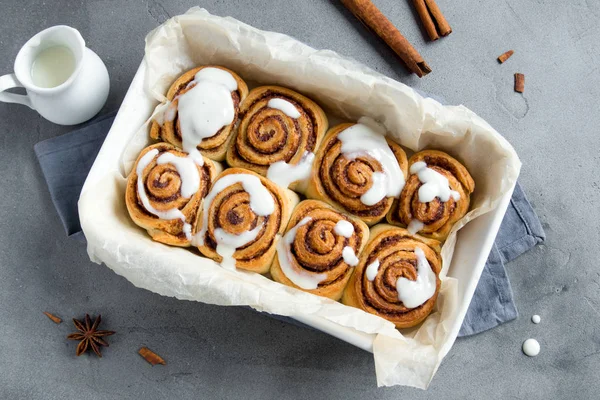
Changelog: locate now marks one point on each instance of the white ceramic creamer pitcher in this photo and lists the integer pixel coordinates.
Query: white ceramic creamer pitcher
(78, 98)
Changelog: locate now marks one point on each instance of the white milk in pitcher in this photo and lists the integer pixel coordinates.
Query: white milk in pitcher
(52, 67)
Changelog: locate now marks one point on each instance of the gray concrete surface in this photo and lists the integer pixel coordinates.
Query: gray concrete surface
(215, 352)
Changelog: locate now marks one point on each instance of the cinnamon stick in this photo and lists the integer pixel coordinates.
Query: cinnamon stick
(519, 82)
(370, 15)
(433, 20)
(505, 56)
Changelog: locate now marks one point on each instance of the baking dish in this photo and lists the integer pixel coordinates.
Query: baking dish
(115, 241)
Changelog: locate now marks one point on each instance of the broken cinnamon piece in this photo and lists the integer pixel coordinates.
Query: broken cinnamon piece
(370, 16)
(519, 82)
(505, 56)
(434, 21)
(151, 356)
(53, 317)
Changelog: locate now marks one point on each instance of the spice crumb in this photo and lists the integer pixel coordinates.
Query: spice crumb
(151, 356)
(505, 56)
(53, 317)
(519, 82)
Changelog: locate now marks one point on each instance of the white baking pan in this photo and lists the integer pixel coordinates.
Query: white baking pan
(473, 245)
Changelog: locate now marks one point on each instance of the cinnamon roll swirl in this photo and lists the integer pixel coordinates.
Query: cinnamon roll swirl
(319, 249)
(358, 170)
(397, 277)
(165, 190)
(436, 195)
(278, 128)
(200, 114)
(242, 219)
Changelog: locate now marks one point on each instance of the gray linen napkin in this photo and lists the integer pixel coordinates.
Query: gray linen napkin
(65, 161)
(492, 302)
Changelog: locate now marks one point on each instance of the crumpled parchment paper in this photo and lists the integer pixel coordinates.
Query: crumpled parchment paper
(347, 90)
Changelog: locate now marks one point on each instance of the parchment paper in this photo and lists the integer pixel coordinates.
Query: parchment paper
(345, 89)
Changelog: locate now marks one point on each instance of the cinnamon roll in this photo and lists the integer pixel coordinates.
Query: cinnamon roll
(397, 277)
(319, 249)
(358, 170)
(202, 110)
(436, 195)
(165, 190)
(277, 136)
(241, 220)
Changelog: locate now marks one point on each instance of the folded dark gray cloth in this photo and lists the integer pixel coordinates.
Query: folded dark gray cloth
(66, 160)
(492, 302)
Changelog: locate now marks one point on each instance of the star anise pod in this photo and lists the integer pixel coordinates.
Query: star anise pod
(89, 335)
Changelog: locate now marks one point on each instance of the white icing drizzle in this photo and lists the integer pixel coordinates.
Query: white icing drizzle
(366, 139)
(170, 112)
(415, 226)
(349, 256)
(302, 278)
(377, 190)
(372, 270)
(187, 229)
(299, 277)
(414, 293)
(188, 171)
(261, 203)
(531, 347)
(536, 319)
(205, 108)
(434, 184)
(285, 106)
(283, 174)
(219, 76)
(344, 228)
(228, 243)
(166, 112)
(374, 125)
(173, 213)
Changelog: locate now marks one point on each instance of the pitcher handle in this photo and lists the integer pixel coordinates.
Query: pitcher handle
(10, 81)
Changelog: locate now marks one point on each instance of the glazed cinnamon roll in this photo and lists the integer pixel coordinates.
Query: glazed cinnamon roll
(165, 190)
(201, 112)
(319, 249)
(278, 133)
(358, 170)
(397, 277)
(242, 219)
(436, 195)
